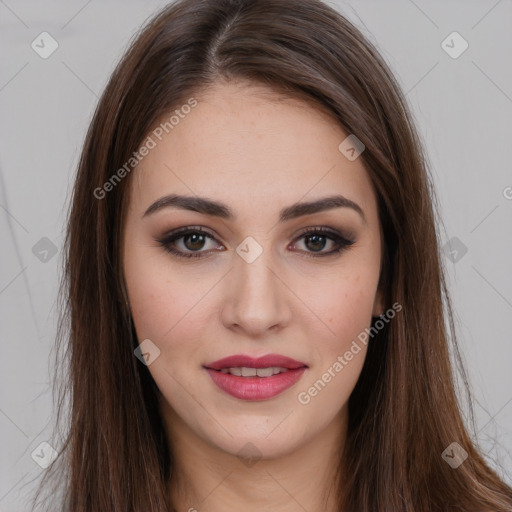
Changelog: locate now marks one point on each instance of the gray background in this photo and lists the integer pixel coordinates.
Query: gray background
(463, 108)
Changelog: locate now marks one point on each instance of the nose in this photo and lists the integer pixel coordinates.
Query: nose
(256, 296)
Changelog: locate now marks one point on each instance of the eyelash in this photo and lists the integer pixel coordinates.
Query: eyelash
(167, 241)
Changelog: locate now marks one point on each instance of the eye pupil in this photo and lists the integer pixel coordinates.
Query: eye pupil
(197, 239)
(316, 244)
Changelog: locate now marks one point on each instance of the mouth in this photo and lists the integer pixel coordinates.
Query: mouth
(255, 379)
(245, 371)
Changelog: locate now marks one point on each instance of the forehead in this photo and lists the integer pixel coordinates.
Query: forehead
(251, 148)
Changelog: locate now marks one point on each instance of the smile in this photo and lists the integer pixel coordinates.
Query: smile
(255, 379)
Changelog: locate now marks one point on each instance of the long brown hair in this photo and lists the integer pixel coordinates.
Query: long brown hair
(404, 411)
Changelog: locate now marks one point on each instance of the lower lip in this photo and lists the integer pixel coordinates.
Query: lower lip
(255, 388)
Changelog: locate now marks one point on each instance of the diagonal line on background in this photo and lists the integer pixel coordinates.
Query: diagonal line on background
(502, 296)
(75, 15)
(15, 75)
(492, 81)
(424, 14)
(499, 1)
(421, 79)
(7, 7)
(14, 423)
(79, 79)
(510, 400)
(15, 277)
(15, 485)
(483, 219)
(11, 215)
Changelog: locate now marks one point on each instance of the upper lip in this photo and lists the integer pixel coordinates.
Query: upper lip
(270, 360)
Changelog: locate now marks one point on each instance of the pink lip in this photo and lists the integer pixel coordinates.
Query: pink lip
(255, 388)
(240, 360)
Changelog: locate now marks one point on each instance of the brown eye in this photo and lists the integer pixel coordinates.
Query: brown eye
(194, 241)
(186, 242)
(316, 239)
(189, 242)
(315, 242)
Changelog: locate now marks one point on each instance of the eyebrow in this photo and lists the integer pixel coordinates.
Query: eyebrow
(217, 209)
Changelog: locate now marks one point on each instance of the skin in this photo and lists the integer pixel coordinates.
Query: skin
(257, 152)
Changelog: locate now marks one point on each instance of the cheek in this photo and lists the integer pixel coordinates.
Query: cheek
(168, 307)
(336, 369)
(343, 307)
(339, 340)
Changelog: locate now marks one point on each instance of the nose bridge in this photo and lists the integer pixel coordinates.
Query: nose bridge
(256, 296)
(253, 269)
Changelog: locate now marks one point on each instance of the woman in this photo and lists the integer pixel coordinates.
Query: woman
(254, 280)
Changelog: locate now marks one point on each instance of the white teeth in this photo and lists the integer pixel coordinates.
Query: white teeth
(253, 372)
(266, 372)
(249, 372)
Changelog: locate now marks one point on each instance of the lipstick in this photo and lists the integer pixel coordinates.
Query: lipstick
(255, 379)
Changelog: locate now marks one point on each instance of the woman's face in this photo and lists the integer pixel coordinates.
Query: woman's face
(251, 284)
